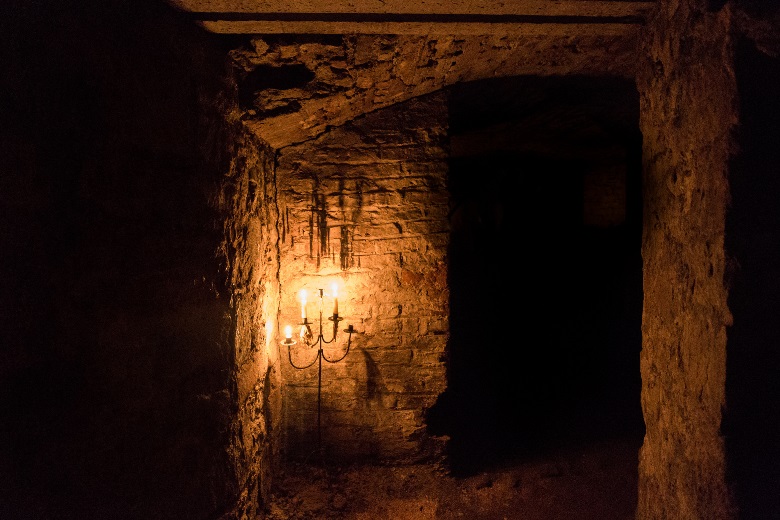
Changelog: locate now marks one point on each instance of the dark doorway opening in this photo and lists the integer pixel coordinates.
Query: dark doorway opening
(544, 269)
(751, 422)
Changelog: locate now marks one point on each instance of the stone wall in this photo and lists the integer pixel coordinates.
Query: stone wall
(365, 205)
(251, 262)
(687, 113)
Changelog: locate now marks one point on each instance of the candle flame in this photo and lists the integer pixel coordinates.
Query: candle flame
(335, 288)
(302, 294)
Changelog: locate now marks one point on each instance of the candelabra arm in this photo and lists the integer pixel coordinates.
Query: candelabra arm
(335, 319)
(301, 367)
(349, 330)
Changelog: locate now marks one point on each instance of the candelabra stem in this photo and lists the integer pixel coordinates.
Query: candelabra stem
(319, 402)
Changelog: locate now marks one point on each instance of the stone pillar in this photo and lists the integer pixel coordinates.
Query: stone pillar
(688, 109)
(250, 252)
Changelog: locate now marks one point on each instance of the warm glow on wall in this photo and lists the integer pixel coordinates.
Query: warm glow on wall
(269, 331)
(271, 348)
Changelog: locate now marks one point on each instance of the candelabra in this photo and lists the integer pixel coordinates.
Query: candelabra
(307, 338)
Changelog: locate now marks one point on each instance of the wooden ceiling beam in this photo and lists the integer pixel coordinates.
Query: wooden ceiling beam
(470, 17)
(415, 29)
(422, 7)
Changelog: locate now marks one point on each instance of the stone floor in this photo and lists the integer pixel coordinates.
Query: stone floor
(596, 482)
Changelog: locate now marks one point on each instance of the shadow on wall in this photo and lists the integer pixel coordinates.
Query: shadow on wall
(751, 420)
(374, 383)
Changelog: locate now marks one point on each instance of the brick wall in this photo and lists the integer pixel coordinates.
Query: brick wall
(365, 205)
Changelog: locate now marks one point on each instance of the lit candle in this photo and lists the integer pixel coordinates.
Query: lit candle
(302, 294)
(335, 288)
(288, 332)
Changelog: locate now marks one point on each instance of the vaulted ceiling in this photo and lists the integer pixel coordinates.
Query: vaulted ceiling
(307, 65)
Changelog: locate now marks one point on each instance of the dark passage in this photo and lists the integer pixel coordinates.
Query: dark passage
(751, 422)
(545, 275)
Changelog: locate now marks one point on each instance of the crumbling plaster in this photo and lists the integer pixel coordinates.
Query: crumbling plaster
(358, 74)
